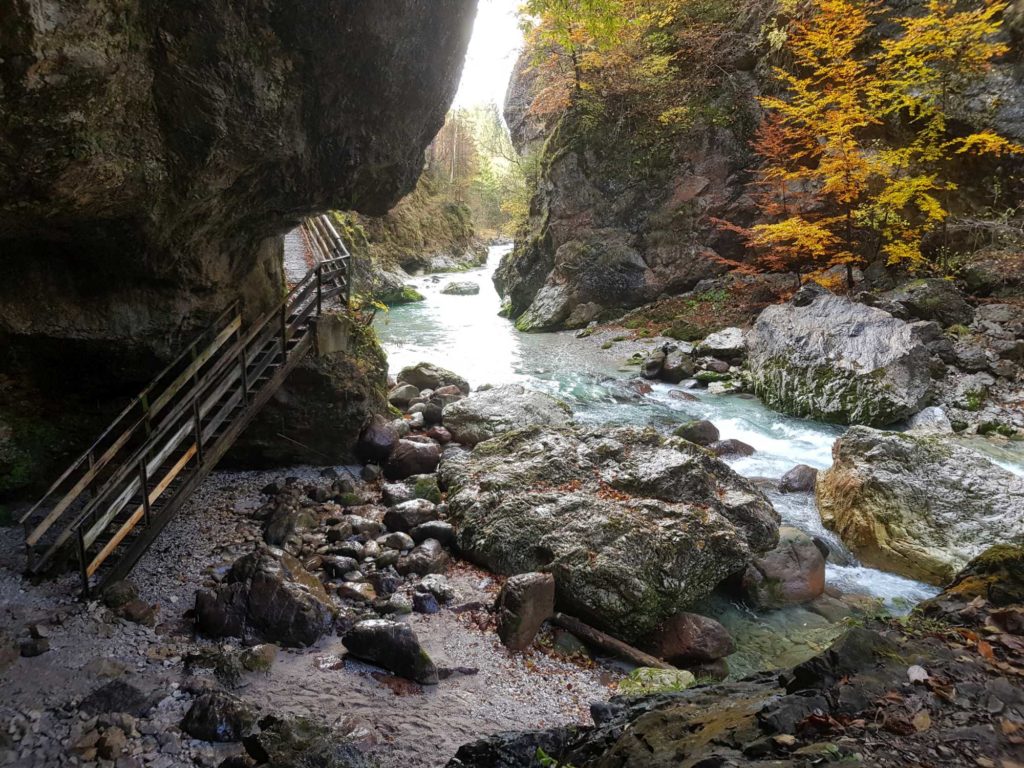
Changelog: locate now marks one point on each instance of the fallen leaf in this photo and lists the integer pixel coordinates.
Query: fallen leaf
(922, 721)
(985, 649)
(917, 674)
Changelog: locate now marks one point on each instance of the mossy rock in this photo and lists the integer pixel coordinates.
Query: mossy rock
(996, 428)
(426, 487)
(997, 575)
(706, 377)
(645, 681)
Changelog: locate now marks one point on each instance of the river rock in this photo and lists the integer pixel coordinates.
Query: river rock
(835, 360)
(633, 526)
(433, 529)
(800, 479)
(790, 574)
(698, 431)
(730, 448)
(525, 602)
(930, 421)
(429, 376)
(393, 646)
(218, 716)
(653, 363)
(687, 639)
(484, 415)
(410, 458)
(930, 299)
(677, 367)
(428, 557)
(377, 440)
(402, 395)
(407, 515)
(920, 506)
(466, 288)
(270, 592)
(729, 344)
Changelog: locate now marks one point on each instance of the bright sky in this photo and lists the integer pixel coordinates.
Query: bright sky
(492, 54)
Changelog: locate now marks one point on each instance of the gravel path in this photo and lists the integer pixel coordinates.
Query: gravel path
(403, 724)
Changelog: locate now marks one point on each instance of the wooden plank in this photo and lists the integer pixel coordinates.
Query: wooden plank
(201, 359)
(139, 513)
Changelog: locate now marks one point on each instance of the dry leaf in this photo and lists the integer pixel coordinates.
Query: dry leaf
(985, 649)
(922, 721)
(917, 674)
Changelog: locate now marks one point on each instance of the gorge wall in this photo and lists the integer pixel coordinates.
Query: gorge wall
(625, 203)
(150, 156)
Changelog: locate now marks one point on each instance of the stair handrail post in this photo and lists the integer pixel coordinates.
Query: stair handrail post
(243, 361)
(319, 288)
(83, 567)
(284, 332)
(144, 484)
(198, 422)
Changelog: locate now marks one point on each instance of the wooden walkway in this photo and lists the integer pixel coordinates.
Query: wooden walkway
(109, 506)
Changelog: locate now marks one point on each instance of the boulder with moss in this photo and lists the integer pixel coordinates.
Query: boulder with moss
(634, 526)
(918, 505)
(832, 359)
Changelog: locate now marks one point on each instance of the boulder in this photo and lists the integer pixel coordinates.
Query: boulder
(525, 602)
(410, 458)
(730, 448)
(835, 360)
(653, 364)
(377, 440)
(409, 514)
(426, 558)
(930, 421)
(393, 646)
(920, 506)
(267, 591)
(465, 288)
(800, 479)
(790, 574)
(677, 367)
(633, 526)
(218, 716)
(929, 299)
(433, 529)
(729, 344)
(429, 376)
(698, 431)
(484, 415)
(687, 639)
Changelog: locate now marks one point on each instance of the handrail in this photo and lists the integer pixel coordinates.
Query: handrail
(202, 391)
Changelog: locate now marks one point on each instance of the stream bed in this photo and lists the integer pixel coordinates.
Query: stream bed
(466, 335)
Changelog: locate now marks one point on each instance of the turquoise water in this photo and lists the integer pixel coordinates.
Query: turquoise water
(466, 335)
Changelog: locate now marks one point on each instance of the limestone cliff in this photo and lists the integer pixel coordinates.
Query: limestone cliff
(150, 156)
(624, 207)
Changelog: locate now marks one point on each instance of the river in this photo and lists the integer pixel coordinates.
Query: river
(466, 335)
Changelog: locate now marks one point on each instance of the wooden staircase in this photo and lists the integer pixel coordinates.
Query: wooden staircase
(110, 505)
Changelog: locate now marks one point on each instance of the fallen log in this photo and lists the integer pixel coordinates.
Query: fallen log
(607, 643)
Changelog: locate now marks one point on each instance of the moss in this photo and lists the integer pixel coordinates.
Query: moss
(706, 377)
(958, 330)
(620, 338)
(607, 345)
(996, 428)
(426, 488)
(645, 681)
(974, 399)
(408, 295)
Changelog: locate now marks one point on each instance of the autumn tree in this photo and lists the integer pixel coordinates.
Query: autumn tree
(925, 74)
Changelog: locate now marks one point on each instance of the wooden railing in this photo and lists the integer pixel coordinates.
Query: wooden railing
(125, 488)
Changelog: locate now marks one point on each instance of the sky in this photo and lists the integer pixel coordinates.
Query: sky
(492, 54)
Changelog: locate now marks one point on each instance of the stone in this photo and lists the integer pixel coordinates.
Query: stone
(424, 602)
(829, 358)
(429, 376)
(396, 540)
(434, 529)
(269, 592)
(338, 565)
(687, 639)
(647, 681)
(407, 515)
(112, 743)
(118, 696)
(800, 479)
(437, 585)
(790, 574)
(525, 602)
(357, 591)
(259, 658)
(730, 448)
(919, 506)
(930, 421)
(465, 288)
(653, 364)
(377, 440)
(729, 344)
(678, 366)
(428, 557)
(118, 593)
(393, 646)
(439, 433)
(412, 458)
(396, 493)
(634, 526)
(699, 431)
(218, 716)
(34, 646)
(930, 299)
(484, 415)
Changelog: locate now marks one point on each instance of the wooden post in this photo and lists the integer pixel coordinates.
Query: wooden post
(144, 482)
(82, 567)
(197, 420)
(245, 375)
(319, 288)
(284, 334)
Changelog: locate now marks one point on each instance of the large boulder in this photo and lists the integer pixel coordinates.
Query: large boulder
(688, 639)
(269, 592)
(525, 602)
(409, 458)
(484, 415)
(430, 376)
(921, 506)
(633, 526)
(832, 359)
(929, 299)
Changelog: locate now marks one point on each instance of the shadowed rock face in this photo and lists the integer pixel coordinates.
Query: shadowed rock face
(152, 153)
